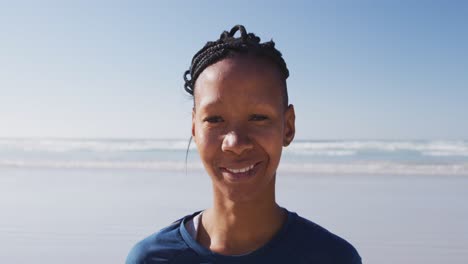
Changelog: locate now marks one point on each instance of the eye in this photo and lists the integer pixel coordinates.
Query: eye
(257, 117)
(213, 119)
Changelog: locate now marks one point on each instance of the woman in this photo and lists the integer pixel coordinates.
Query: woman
(241, 120)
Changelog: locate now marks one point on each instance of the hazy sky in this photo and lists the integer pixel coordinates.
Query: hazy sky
(359, 69)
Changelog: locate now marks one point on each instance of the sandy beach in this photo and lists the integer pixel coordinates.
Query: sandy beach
(95, 216)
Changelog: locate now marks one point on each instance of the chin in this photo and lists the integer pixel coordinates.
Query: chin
(252, 192)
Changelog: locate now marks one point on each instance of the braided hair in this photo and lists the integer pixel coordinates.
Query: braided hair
(227, 46)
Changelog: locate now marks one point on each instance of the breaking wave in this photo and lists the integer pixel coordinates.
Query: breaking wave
(316, 148)
(361, 168)
(92, 145)
(415, 157)
(346, 148)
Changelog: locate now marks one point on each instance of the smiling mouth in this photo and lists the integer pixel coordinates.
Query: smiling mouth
(242, 173)
(246, 169)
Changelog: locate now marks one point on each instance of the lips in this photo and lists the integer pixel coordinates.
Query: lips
(246, 169)
(240, 173)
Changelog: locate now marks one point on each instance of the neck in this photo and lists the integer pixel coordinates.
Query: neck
(233, 228)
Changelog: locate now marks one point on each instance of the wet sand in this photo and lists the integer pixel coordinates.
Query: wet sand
(95, 216)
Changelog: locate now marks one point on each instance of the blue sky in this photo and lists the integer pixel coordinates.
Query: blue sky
(359, 69)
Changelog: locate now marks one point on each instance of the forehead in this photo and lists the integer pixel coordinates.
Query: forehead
(241, 79)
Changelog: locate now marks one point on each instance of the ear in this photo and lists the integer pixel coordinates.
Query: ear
(193, 124)
(289, 125)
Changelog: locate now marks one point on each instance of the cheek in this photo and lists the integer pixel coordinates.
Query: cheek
(206, 142)
(270, 138)
(272, 133)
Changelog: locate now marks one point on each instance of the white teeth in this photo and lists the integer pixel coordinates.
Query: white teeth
(240, 170)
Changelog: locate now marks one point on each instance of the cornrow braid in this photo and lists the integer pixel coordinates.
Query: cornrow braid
(227, 44)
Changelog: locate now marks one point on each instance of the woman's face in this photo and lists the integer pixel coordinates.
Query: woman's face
(240, 125)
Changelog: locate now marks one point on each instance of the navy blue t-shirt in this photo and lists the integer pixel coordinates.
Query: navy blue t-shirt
(299, 241)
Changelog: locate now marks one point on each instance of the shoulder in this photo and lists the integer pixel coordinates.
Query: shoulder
(160, 247)
(320, 245)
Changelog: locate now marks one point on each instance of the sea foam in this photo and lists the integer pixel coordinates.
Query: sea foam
(308, 157)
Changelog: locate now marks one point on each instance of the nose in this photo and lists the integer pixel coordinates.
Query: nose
(236, 142)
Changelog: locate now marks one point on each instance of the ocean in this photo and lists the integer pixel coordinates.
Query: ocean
(91, 200)
(377, 157)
